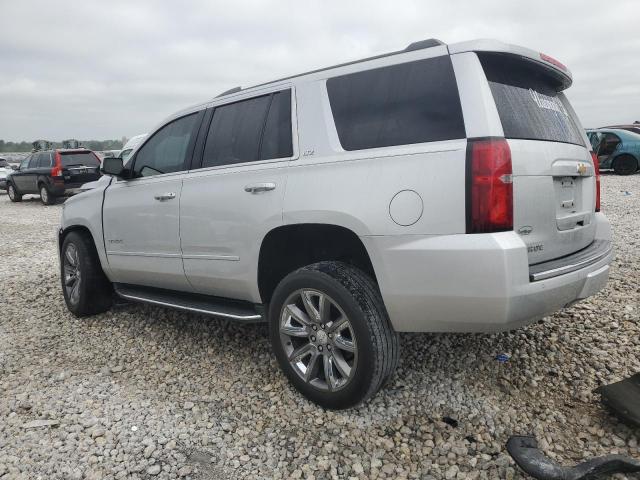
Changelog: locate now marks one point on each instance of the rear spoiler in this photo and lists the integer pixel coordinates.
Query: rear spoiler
(553, 66)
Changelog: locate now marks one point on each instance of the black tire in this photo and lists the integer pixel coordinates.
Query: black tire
(46, 197)
(13, 193)
(377, 343)
(94, 292)
(625, 165)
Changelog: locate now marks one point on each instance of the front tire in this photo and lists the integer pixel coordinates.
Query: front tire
(86, 289)
(14, 196)
(46, 197)
(625, 165)
(331, 334)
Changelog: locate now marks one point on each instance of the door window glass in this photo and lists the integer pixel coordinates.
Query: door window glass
(235, 131)
(276, 140)
(167, 150)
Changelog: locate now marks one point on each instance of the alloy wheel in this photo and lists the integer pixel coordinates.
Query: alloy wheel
(318, 340)
(44, 194)
(72, 274)
(12, 192)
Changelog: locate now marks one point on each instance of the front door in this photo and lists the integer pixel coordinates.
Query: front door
(141, 214)
(236, 196)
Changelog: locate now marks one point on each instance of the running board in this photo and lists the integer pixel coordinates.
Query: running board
(191, 302)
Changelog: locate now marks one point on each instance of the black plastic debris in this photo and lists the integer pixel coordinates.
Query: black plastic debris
(450, 421)
(524, 450)
(623, 398)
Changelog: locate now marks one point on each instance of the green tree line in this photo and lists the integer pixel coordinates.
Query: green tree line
(90, 144)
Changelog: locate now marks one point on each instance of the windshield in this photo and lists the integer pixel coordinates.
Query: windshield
(86, 159)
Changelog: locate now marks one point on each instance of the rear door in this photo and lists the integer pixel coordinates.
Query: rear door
(30, 178)
(235, 195)
(553, 175)
(79, 167)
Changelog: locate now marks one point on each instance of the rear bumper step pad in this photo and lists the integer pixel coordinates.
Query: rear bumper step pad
(595, 252)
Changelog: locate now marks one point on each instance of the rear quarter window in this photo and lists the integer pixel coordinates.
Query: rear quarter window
(528, 102)
(408, 103)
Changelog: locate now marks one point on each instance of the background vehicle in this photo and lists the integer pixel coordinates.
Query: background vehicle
(440, 188)
(616, 149)
(53, 173)
(128, 148)
(634, 127)
(5, 169)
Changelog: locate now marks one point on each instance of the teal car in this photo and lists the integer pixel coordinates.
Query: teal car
(616, 149)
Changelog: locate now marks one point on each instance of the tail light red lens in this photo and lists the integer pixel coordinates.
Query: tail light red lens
(56, 171)
(596, 167)
(489, 186)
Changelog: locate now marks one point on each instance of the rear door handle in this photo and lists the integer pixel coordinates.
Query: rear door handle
(259, 187)
(165, 196)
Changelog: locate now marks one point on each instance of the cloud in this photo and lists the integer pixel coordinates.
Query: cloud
(96, 69)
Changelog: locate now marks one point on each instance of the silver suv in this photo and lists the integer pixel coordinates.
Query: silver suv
(441, 188)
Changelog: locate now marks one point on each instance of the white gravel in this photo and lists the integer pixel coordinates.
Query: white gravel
(143, 392)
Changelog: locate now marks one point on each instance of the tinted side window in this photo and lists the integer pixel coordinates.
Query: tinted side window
(401, 104)
(276, 140)
(35, 160)
(24, 164)
(45, 160)
(167, 150)
(235, 132)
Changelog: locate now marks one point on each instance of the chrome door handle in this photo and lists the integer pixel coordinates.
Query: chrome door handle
(259, 187)
(165, 196)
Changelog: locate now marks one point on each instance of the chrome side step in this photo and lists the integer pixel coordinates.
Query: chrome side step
(203, 304)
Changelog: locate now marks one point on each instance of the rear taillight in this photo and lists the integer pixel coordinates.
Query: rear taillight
(596, 167)
(489, 186)
(56, 171)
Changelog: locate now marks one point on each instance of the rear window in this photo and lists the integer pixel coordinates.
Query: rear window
(401, 104)
(87, 159)
(528, 102)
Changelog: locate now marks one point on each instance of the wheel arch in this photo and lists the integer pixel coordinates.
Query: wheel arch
(289, 247)
(63, 232)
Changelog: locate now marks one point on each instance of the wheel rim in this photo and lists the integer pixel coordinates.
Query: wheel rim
(72, 276)
(318, 340)
(44, 194)
(12, 193)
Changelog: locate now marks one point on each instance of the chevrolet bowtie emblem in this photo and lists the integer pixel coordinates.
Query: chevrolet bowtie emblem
(582, 168)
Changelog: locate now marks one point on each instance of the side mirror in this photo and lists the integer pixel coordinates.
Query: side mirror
(112, 166)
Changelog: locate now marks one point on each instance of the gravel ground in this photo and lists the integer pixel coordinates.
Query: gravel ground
(142, 392)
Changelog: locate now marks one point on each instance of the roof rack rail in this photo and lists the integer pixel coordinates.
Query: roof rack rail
(428, 43)
(229, 92)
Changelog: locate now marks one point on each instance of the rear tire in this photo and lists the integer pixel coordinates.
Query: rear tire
(625, 165)
(349, 345)
(14, 196)
(46, 197)
(85, 287)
